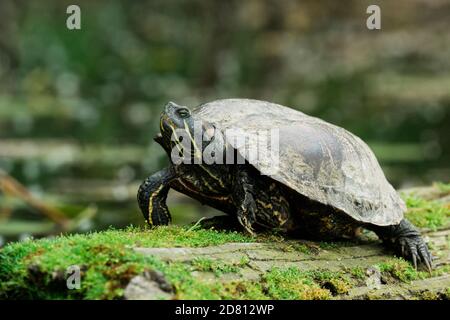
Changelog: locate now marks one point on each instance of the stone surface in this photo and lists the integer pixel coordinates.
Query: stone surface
(417, 288)
(151, 285)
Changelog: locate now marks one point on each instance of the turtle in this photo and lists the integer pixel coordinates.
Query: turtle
(325, 183)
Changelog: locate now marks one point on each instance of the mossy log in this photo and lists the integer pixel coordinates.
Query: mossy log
(251, 261)
(197, 263)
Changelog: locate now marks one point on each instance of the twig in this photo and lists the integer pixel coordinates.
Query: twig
(196, 224)
(12, 187)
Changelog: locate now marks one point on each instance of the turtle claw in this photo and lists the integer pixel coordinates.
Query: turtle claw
(415, 250)
(429, 266)
(426, 257)
(403, 249)
(245, 223)
(414, 259)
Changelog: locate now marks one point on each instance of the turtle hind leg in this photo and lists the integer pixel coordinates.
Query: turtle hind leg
(406, 240)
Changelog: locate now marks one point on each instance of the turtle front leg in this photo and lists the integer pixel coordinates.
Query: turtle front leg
(152, 195)
(243, 197)
(407, 241)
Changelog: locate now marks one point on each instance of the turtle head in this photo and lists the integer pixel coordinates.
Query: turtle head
(174, 119)
(179, 126)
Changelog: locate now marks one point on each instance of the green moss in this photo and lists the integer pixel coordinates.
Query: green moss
(426, 214)
(244, 261)
(277, 283)
(28, 267)
(241, 290)
(291, 283)
(303, 248)
(36, 268)
(203, 264)
(328, 245)
(441, 270)
(401, 270)
(428, 295)
(296, 247)
(216, 266)
(358, 273)
(336, 282)
(443, 187)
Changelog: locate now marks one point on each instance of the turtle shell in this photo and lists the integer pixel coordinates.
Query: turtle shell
(319, 160)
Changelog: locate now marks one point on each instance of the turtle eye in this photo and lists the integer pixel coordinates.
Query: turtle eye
(183, 112)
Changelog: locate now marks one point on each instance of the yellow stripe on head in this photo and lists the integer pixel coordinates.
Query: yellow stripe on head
(197, 151)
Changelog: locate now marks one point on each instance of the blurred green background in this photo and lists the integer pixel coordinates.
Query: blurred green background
(78, 109)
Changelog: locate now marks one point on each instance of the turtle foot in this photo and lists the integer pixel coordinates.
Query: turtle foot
(406, 240)
(415, 250)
